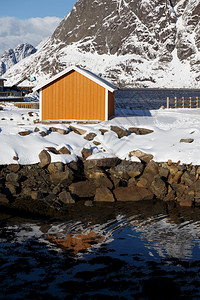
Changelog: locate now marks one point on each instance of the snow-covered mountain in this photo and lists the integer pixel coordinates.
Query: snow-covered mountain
(146, 43)
(12, 56)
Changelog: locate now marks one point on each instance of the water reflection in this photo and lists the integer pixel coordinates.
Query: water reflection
(167, 238)
(133, 251)
(160, 234)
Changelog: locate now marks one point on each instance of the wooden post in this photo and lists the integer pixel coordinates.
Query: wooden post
(175, 104)
(167, 102)
(183, 102)
(197, 102)
(190, 102)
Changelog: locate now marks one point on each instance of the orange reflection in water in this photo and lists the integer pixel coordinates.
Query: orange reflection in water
(78, 242)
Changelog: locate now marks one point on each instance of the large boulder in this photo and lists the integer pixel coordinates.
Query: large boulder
(119, 131)
(127, 169)
(164, 172)
(179, 189)
(144, 157)
(107, 162)
(66, 198)
(86, 152)
(36, 195)
(158, 187)
(186, 200)
(3, 200)
(13, 168)
(24, 133)
(45, 158)
(12, 177)
(99, 178)
(140, 131)
(56, 167)
(64, 150)
(77, 130)
(186, 141)
(83, 189)
(150, 171)
(103, 194)
(132, 193)
(90, 136)
(65, 177)
(59, 130)
(188, 178)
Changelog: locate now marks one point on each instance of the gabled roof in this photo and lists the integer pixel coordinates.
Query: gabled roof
(102, 82)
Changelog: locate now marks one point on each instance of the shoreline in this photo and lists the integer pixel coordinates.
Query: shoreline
(49, 190)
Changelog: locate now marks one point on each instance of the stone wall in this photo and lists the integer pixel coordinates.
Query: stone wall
(49, 188)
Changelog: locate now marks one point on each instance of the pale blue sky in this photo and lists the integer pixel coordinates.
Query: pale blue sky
(30, 21)
(25, 9)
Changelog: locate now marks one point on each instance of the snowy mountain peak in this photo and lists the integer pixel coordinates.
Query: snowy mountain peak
(147, 43)
(12, 56)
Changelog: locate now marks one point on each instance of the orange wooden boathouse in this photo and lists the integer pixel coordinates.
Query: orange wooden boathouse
(76, 94)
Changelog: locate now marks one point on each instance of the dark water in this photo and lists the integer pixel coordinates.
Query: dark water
(145, 99)
(130, 251)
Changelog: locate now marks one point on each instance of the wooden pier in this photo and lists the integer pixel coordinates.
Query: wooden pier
(183, 102)
(31, 105)
(11, 96)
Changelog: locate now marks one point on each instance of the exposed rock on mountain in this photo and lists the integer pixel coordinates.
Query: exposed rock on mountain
(12, 56)
(147, 43)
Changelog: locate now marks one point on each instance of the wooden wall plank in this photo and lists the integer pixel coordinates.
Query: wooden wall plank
(74, 96)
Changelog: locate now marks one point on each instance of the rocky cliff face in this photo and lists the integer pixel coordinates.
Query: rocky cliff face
(147, 43)
(12, 56)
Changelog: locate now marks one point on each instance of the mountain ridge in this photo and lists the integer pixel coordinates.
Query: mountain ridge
(11, 57)
(145, 44)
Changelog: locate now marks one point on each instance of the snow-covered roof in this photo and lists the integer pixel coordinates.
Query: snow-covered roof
(102, 82)
(3, 79)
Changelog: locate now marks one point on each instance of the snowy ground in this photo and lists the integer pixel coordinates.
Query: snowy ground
(169, 126)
